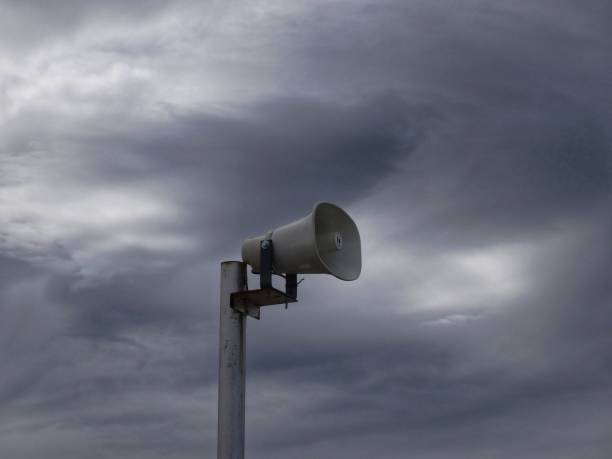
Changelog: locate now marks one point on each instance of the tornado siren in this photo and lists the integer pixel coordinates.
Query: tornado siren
(326, 241)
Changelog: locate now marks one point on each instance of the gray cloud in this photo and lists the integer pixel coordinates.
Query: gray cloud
(31, 24)
(141, 143)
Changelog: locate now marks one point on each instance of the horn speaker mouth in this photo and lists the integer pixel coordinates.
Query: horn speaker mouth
(338, 244)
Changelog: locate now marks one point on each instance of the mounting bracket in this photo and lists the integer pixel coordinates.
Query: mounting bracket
(250, 301)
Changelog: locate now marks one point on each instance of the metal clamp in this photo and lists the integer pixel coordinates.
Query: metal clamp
(250, 301)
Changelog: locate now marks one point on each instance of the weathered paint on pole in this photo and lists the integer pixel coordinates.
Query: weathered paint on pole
(232, 342)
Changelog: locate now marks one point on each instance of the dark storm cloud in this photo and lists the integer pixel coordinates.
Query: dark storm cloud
(278, 157)
(556, 168)
(82, 363)
(477, 381)
(472, 145)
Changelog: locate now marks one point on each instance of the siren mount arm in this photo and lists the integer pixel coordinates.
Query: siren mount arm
(266, 270)
(266, 254)
(250, 301)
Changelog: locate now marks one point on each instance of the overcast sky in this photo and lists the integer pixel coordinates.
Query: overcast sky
(142, 141)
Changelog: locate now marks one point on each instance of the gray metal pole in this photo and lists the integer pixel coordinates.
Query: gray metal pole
(232, 342)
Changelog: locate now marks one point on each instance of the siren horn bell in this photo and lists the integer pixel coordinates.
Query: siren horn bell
(326, 241)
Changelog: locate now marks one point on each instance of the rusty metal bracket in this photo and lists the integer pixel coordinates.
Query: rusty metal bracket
(249, 302)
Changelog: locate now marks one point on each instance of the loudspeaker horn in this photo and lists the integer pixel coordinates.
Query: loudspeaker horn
(326, 241)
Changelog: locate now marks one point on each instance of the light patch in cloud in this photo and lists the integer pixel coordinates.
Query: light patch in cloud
(74, 225)
(458, 280)
(482, 278)
(453, 319)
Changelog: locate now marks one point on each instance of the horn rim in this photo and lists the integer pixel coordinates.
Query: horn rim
(316, 246)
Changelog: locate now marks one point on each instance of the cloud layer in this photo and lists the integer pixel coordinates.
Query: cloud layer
(141, 143)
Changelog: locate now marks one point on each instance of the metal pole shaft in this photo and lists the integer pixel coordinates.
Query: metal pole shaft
(232, 342)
